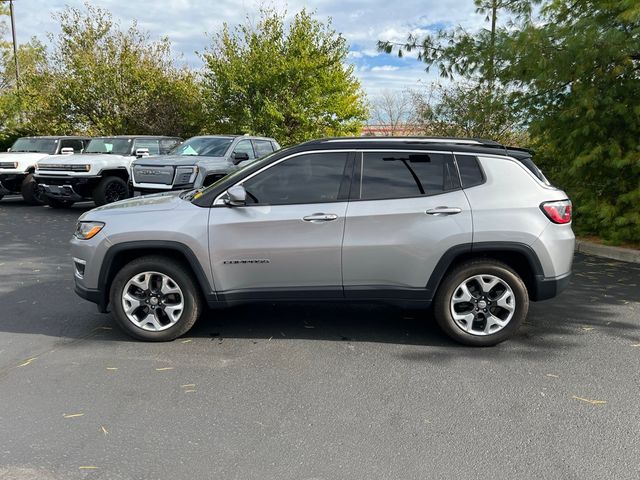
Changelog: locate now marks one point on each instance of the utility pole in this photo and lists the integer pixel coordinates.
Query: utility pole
(15, 45)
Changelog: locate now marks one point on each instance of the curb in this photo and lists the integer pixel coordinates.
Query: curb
(615, 253)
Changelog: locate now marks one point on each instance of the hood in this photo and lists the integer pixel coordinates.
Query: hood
(24, 159)
(180, 160)
(138, 205)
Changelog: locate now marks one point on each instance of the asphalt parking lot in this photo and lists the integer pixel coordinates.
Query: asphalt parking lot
(309, 391)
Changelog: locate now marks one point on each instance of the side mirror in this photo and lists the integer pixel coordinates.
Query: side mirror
(240, 157)
(237, 196)
(142, 152)
(66, 151)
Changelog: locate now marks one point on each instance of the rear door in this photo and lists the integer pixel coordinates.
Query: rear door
(406, 210)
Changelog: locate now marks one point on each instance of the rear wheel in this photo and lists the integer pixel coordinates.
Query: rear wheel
(109, 190)
(155, 299)
(481, 303)
(55, 203)
(31, 192)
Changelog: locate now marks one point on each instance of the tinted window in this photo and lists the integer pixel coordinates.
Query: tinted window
(470, 172)
(244, 146)
(40, 145)
(167, 144)
(311, 178)
(152, 144)
(116, 146)
(204, 146)
(263, 147)
(75, 144)
(403, 174)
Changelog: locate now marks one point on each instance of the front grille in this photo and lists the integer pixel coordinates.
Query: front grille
(153, 174)
(8, 164)
(57, 167)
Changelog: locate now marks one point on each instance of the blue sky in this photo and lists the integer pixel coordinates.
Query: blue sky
(362, 22)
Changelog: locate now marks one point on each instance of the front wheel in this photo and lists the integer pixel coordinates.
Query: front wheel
(109, 190)
(481, 303)
(31, 192)
(155, 299)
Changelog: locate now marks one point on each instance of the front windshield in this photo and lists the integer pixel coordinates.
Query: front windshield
(39, 145)
(116, 146)
(203, 147)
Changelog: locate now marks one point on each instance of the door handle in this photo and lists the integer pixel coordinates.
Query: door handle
(443, 211)
(320, 217)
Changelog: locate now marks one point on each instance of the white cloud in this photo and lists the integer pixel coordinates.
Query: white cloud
(362, 22)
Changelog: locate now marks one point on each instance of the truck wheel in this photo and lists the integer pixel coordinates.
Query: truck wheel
(31, 192)
(481, 303)
(155, 299)
(55, 203)
(109, 190)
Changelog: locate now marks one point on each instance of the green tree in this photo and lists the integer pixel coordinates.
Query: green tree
(578, 72)
(291, 83)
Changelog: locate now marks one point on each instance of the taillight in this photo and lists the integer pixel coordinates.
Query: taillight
(558, 211)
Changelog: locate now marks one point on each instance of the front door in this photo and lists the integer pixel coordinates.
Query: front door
(286, 241)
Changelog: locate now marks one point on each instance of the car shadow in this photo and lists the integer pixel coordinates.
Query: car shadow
(600, 293)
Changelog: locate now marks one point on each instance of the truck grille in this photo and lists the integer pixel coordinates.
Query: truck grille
(153, 174)
(57, 167)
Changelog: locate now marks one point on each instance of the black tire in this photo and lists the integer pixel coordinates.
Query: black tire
(31, 192)
(55, 203)
(109, 190)
(448, 287)
(180, 275)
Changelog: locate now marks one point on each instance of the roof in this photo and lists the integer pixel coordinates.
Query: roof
(459, 144)
(56, 137)
(135, 136)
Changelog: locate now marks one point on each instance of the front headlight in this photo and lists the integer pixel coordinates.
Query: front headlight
(87, 230)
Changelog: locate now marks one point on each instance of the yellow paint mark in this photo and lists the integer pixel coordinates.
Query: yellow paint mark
(189, 391)
(88, 467)
(188, 385)
(587, 400)
(28, 362)
(163, 369)
(186, 341)
(636, 345)
(104, 430)
(72, 415)
(552, 375)
(587, 328)
(112, 368)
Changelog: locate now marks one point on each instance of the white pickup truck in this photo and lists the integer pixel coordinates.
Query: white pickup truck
(18, 164)
(101, 174)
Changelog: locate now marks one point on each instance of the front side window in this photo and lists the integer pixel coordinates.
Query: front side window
(386, 175)
(166, 144)
(244, 146)
(72, 143)
(150, 143)
(309, 178)
(37, 145)
(115, 146)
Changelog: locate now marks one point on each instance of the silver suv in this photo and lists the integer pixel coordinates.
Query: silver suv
(200, 161)
(468, 226)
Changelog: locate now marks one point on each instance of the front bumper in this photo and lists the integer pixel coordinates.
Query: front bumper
(67, 187)
(94, 296)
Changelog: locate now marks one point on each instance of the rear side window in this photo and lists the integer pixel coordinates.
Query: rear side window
(470, 172)
(263, 147)
(309, 178)
(403, 174)
(533, 168)
(152, 145)
(166, 144)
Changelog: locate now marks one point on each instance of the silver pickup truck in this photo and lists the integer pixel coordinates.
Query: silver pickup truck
(200, 161)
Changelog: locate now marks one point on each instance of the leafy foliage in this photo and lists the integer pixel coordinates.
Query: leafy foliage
(578, 72)
(289, 83)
